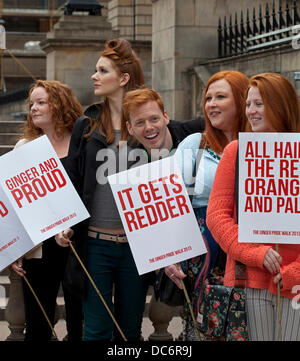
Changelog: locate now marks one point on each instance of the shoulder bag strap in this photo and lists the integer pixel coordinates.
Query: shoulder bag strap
(195, 170)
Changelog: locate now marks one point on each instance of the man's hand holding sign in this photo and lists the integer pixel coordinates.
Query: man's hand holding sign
(63, 237)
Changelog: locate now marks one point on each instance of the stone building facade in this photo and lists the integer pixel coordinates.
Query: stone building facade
(66, 48)
(185, 49)
(176, 39)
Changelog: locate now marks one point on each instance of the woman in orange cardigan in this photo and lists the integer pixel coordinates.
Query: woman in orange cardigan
(272, 106)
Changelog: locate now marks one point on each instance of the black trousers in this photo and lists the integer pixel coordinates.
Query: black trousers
(45, 276)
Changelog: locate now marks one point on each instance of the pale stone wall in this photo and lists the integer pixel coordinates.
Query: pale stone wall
(34, 63)
(178, 41)
(284, 60)
(120, 15)
(143, 51)
(73, 48)
(132, 18)
(184, 34)
(143, 20)
(104, 11)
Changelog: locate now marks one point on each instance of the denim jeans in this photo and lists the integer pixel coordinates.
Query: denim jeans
(112, 264)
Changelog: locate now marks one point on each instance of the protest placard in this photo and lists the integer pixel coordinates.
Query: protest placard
(157, 215)
(37, 199)
(14, 240)
(269, 187)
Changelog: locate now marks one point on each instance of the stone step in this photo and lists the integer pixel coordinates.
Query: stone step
(5, 148)
(5, 272)
(16, 40)
(10, 131)
(12, 109)
(11, 126)
(4, 287)
(9, 138)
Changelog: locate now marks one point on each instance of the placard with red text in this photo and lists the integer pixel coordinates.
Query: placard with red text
(157, 215)
(269, 188)
(14, 240)
(39, 190)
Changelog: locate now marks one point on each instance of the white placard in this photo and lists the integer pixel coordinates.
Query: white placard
(14, 240)
(269, 188)
(157, 215)
(38, 195)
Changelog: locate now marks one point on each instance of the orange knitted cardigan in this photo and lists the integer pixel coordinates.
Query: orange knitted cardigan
(221, 220)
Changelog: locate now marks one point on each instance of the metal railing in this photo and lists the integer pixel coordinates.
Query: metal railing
(273, 28)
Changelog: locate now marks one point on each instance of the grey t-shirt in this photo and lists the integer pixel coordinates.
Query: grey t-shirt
(104, 211)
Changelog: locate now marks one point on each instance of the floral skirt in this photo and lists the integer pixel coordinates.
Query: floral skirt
(198, 269)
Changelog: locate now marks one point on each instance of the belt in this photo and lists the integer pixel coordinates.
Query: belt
(119, 238)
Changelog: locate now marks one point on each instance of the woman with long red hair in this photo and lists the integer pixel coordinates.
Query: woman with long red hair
(223, 108)
(53, 110)
(101, 240)
(272, 105)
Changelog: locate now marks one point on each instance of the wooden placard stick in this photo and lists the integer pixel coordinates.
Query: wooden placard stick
(98, 292)
(41, 307)
(190, 306)
(278, 303)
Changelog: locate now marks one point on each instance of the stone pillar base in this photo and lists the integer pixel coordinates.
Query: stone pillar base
(160, 314)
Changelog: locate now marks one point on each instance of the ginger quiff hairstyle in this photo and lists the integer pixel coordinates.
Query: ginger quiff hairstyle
(281, 102)
(239, 83)
(124, 60)
(138, 97)
(64, 105)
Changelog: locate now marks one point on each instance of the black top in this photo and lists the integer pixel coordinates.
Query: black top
(178, 130)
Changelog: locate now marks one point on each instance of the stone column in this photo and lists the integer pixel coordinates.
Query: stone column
(14, 312)
(104, 10)
(143, 20)
(160, 315)
(120, 15)
(183, 33)
(132, 18)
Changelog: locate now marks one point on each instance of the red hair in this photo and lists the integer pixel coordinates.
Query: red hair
(139, 97)
(124, 60)
(64, 105)
(281, 103)
(238, 82)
